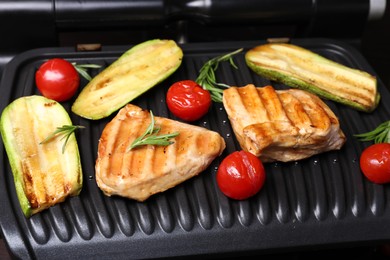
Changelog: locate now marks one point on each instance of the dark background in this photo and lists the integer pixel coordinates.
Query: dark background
(375, 46)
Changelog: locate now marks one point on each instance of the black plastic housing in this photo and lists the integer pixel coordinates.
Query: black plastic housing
(42, 23)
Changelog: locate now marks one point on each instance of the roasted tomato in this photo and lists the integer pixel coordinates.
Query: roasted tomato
(375, 163)
(240, 175)
(187, 100)
(57, 79)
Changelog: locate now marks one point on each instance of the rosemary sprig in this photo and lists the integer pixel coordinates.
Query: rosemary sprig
(65, 130)
(207, 78)
(381, 134)
(82, 69)
(151, 136)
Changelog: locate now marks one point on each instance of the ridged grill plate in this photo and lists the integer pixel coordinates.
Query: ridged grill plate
(318, 202)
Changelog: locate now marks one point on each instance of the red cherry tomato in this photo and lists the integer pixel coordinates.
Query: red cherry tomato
(57, 79)
(375, 163)
(187, 100)
(240, 175)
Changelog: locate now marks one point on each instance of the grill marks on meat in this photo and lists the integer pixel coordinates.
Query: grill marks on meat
(281, 125)
(147, 170)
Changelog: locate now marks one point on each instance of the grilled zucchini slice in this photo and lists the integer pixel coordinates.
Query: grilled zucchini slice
(136, 71)
(300, 68)
(44, 174)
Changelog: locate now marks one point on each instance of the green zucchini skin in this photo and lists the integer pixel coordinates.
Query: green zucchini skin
(43, 174)
(283, 75)
(136, 71)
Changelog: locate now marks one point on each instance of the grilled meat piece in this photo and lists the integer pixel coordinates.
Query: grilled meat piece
(281, 125)
(146, 170)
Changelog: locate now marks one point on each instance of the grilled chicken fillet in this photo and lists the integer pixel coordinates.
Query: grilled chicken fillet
(281, 125)
(146, 170)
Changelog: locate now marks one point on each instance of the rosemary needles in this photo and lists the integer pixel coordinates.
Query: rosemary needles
(150, 136)
(381, 134)
(207, 78)
(66, 131)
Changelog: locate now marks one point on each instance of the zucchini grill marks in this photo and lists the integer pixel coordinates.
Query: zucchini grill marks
(300, 68)
(44, 174)
(133, 73)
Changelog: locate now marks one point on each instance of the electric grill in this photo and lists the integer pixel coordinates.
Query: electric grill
(319, 203)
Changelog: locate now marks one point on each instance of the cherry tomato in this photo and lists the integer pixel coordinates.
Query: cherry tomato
(187, 100)
(240, 175)
(57, 79)
(375, 163)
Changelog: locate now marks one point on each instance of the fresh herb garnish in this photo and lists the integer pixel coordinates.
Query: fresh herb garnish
(65, 130)
(150, 136)
(381, 134)
(207, 78)
(82, 69)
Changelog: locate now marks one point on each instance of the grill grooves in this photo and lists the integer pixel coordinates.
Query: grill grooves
(60, 224)
(282, 207)
(79, 219)
(145, 220)
(164, 214)
(183, 212)
(334, 183)
(200, 203)
(39, 230)
(299, 195)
